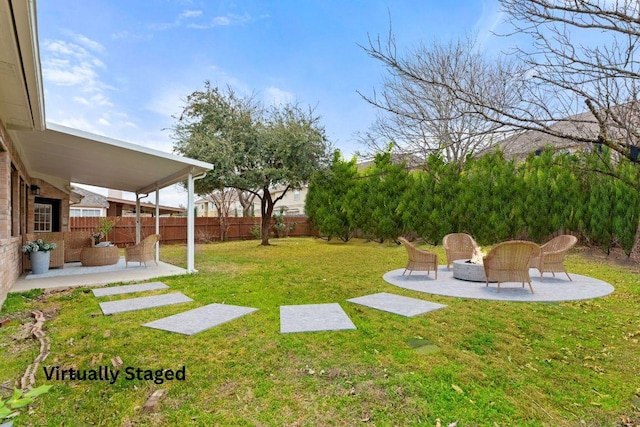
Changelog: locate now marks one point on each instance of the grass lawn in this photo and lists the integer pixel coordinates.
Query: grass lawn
(498, 364)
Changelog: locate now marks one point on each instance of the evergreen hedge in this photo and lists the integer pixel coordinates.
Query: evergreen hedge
(492, 198)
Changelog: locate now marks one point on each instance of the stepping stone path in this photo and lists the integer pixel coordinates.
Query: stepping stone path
(313, 318)
(293, 318)
(129, 289)
(397, 304)
(200, 319)
(132, 304)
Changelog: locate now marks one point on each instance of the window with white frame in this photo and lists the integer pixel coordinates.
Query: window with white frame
(296, 195)
(42, 220)
(85, 212)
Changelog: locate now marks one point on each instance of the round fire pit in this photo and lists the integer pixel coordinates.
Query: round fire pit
(464, 270)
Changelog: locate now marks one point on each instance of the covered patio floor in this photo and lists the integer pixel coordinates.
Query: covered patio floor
(74, 275)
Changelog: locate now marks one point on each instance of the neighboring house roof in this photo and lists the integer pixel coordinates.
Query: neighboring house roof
(583, 124)
(90, 199)
(145, 207)
(95, 200)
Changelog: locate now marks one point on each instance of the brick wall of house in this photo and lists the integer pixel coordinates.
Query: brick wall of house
(13, 227)
(10, 254)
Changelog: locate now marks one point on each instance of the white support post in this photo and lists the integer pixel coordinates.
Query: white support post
(157, 221)
(191, 223)
(137, 218)
(190, 227)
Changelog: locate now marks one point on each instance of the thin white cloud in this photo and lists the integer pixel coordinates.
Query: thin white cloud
(82, 100)
(101, 100)
(189, 14)
(490, 19)
(276, 96)
(169, 101)
(88, 43)
(221, 21)
(179, 21)
(104, 122)
(131, 36)
(77, 122)
(226, 21)
(69, 64)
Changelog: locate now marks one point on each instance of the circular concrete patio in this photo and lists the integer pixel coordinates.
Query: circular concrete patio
(552, 289)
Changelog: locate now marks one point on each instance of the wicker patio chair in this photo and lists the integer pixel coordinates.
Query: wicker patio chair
(143, 251)
(509, 262)
(458, 246)
(419, 259)
(75, 241)
(551, 257)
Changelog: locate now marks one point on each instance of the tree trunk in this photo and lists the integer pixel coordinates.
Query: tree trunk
(635, 251)
(266, 206)
(246, 200)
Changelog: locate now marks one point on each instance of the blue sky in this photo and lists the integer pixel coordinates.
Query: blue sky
(122, 68)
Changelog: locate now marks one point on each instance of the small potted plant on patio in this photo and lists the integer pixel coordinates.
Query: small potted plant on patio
(39, 254)
(103, 229)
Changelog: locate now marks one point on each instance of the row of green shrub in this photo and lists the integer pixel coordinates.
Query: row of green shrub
(489, 197)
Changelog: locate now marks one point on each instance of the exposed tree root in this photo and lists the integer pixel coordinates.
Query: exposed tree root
(29, 377)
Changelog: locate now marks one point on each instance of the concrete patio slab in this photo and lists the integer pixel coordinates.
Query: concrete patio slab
(552, 289)
(314, 318)
(94, 276)
(200, 319)
(76, 268)
(397, 304)
(132, 304)
(129, 289)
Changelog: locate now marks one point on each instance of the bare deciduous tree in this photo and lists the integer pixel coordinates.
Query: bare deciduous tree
(418, 112)
(223, 200)
(576, 78)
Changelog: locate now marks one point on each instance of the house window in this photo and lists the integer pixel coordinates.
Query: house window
(15, 213)
(43, 213)
(296, 195)
(85, 212)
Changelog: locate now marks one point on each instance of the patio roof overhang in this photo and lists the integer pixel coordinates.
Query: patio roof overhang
(59, 152)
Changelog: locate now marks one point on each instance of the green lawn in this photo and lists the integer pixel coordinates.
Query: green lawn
(499, 363)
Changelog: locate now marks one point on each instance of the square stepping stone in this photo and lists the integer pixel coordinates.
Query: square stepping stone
(132, 304)
(313, 318)
(397, 304)
(129, 289)
(199, 319)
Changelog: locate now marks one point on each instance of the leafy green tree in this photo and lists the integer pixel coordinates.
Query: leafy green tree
(488, 198)
(610, 205)
(374, 202)
(253, 149)
(325, 203)
(427, 205)
(552, 194)
(218, 127)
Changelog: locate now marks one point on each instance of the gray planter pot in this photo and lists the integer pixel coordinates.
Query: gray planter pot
(40, 261)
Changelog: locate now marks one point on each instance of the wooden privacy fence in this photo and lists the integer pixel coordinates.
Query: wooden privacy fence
(173, 230)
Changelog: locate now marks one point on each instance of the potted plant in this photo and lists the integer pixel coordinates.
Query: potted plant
(39, 254)
(103, 229)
